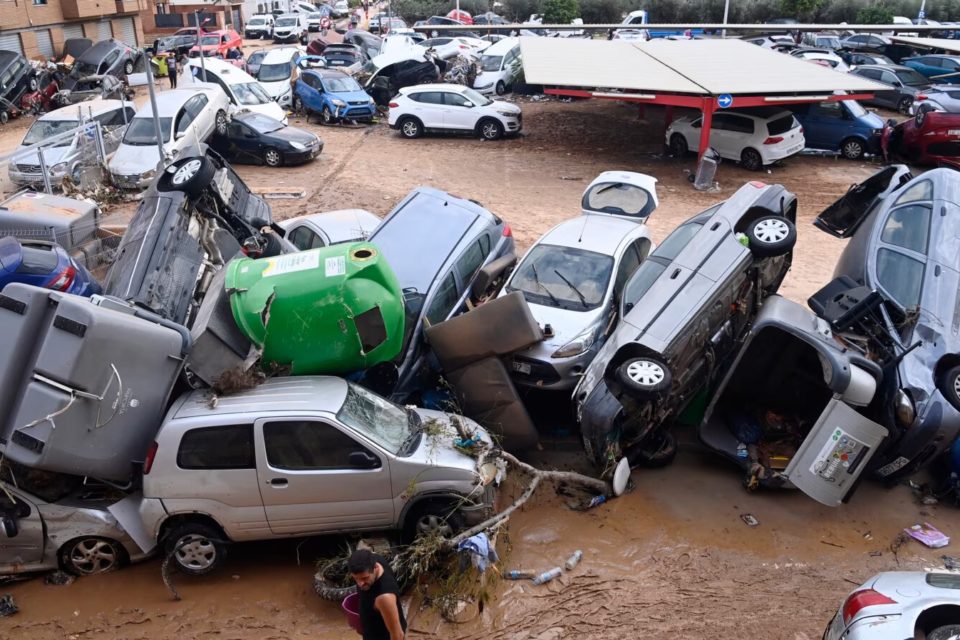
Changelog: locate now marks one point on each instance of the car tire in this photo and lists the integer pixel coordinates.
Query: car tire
(220, 123)
(90, 556)
(272, 158)
(903, 106)
(751, 160)
(656, 451)
(948, 632)
(678, 145)
(490, 129)
(4, 117)
(33, 84)
(128, 67)
(326, 116)
(644, 377)
(852, 148)
(189, 175)
(920, 117)
(500, 88)
(948, 383)
(297, 105)
(410, 128)
(196, 548)
(432, 517)
(771, 236)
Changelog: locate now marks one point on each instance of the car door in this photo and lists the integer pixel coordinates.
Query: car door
(459, 112)
(25, 545)
(309, 90)
(429, 108)
(722, 138)
(892, 97)
(204, 119)
(247, 143)
(311, 483)
(828, 125)
(741, 133)
(107, 65)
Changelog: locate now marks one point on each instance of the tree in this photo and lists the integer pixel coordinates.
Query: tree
(560, 11)
(800, 8)
(877, 13)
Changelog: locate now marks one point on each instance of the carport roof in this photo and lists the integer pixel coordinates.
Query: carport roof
(931, 43)
(698, 67)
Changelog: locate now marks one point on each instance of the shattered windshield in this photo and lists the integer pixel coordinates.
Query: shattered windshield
(491, 63)
(251, 93)
(375, 417)
(274, 72)
(563, 277)
(43, 129)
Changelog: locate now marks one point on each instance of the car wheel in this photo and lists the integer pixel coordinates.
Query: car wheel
(411, 128)
(657, 450)
(949, 632)
(751, 160)
(90, 556)
(904, 105)
(272, 158)
(920, 117)
(34, 85)
(678, 145)
(852, 149)
(432, 518)
(501, 88)
(221, 123)
(297, 104)
(644, 377)
(128, 67)
(189, 175)
(326, 116)
(4, 117)
(949, 385)
(197, 548)
(490, 129)
(771, 236)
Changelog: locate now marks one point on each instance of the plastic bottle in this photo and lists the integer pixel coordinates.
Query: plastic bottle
(596, 501)
(513, 574)
(547, 576)
(574, 560)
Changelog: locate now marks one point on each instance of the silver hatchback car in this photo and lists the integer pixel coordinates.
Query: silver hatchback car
(304, 456)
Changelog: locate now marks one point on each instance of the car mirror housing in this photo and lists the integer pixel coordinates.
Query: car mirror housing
(363, 460)
(9, 525)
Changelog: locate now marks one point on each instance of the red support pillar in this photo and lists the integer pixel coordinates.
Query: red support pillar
(667, 117)
(707, 109)
(641, 111)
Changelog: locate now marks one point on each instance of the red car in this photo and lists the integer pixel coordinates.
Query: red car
(929, 138)
(460, 16)
(217, 43)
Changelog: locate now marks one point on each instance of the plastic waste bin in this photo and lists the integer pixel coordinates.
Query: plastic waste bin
(325, 311)
(706, 170)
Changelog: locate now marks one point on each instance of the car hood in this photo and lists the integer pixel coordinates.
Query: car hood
(293, 134)
(506, 107)
(270, 109)
(276, 89)
(352, 96)
(133, 160)
(566, 325)
(437, 445)
(485, 78)
(51, 155)
(873, 121)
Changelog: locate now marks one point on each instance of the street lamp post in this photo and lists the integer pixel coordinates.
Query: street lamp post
(196, 21)
(156, 116)
(726, 12)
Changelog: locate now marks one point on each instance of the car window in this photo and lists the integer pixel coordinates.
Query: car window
(901, 276)
(828, 110)
(908, 227)
(887, 77)
(456, 100)
(923, 190)
(873, 74)
(443, 300)
(307, 444)
(628, 264)
(304, 238)
(563, 277)
(470, 261)
(720, 122)
(198, 103)
(740, 124)
(183, 120)
(226, 447)
(676, 241)
(641, 281)
(428, 97)
(782, 125)
(37, 260)
(109, 60)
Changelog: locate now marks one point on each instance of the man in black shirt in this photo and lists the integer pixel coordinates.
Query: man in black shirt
(380, 612)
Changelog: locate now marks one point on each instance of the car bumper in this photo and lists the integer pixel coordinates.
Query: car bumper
(354, 112)
(559, 374)
(931, 434)
(776, 154)
(513, 125)
(33, 179)
(129, 182)
(255, 34)
(299, 157)
(292, 37)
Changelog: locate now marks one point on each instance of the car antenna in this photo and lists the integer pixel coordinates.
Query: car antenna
(583, 229)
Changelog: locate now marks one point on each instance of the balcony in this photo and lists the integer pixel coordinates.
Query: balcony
(127, 6)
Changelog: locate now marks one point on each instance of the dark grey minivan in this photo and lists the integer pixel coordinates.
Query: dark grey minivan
(107, 57)
(16, 78)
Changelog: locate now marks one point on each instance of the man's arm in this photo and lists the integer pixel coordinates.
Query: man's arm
(388, 607)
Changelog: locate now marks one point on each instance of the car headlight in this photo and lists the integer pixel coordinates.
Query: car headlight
(508, 114)
(60, 167)
(580, 344)
(147, 175)
(904, 408)
(299, 146)
(338, 102)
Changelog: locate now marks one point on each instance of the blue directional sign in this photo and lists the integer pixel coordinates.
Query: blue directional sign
(725, 101)
(921, 14)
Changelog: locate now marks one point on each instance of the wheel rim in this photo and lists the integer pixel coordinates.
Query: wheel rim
(956, 387)
(771, 231)
(500, 89)
(679, 145)
(327, 116)
(905, 105)
(93, 556)
(751, 160)
(410, 129)
(186, 172)
(852, 149)
(646, 373)
(221, 123)
(490, 130)
(433, 524)
(196, 552)
(273, 158)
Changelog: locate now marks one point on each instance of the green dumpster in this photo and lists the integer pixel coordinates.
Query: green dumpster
(326, 311)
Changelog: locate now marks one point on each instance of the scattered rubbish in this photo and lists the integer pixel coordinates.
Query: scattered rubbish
(7, 607)
(514, 574)
(574, 560)
(749, 519)
(547, 576)
(867, 536)
(572, 178)
(928, 535)
(595, 501)
(58, 578)
(477, 550)
(928, 500)
(832, 544)
(950, 563)
(281, 194)
(876, 554)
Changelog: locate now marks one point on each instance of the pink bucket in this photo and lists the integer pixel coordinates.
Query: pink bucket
(351, 607)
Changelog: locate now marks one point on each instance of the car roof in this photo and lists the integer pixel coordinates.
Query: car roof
(87, 108)
(293, 393)
(327, 73)
(170, 101)
(99, 49)
(884, 67)
(229, 73)
(762, 113)
(501, 47)
(340, 225)
(283, 54)
(597, 232)
(437, 86)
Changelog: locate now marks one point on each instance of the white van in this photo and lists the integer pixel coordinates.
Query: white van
(302, 7)
(276, 74)
(500, 67)
(259, 26)
(243, 90)
(290, 27)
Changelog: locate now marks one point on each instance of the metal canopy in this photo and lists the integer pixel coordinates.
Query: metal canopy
(930, 43)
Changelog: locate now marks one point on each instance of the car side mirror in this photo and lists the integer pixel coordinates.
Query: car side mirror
(10, 527)
(363, 460)
(180, 135)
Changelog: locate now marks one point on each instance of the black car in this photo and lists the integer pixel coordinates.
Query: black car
(75, 47)
(16, 78)
(365, 40)
(344, 55)
(253, 138)
(106, 57)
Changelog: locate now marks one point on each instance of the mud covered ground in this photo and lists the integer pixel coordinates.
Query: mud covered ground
(672, 559)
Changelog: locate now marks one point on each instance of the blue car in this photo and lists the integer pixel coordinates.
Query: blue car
(934, 66)
(334, 95)
(843, 126)
(43, 264)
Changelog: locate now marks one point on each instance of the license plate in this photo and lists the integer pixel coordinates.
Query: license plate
(894, 466)
(795, 149)
(521, 367)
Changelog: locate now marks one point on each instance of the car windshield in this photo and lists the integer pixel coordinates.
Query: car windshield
(831, 41)
(256, 21)
(855, 108)
(41, 130)
(256, 57)
(141, 131)
(491, 63)
(477, 98)
(208, 40)
(262, 123)
(376, 418)
(340, 85)
(286, 22)
(912, 78)
(274, 72)
(563, 277)
(84, 68)
(251, 93)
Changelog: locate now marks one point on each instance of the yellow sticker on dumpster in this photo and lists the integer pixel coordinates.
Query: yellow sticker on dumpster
(292, 262)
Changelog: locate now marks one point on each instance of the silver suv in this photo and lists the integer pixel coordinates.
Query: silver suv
(303, 456)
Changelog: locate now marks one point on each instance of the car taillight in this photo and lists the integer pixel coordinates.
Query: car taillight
(151, 454)
(64, 279)
(920, 97)
(463, 46)
(394, 105)
(507, 231)
(773, 140)
(757, 184)
(859, 600)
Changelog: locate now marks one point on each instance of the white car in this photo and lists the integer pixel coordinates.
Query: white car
(754, 137)
(187, 116)
(900, 604)
(317, 230)
(832, 60)
(447, 48)
(500, 66)
(243, 90)
(452, 107)
(631, 35)
(341, 8)
(290, 27)
(275, 73)
(573, 276)
(313, 21)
